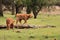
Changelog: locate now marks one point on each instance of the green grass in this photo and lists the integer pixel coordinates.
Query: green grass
(33, 34)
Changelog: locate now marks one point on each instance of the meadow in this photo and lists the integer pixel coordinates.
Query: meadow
(33, 34)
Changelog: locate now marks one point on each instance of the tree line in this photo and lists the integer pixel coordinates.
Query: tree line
(32, 5)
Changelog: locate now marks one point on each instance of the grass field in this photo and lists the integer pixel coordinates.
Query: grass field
(33, 34)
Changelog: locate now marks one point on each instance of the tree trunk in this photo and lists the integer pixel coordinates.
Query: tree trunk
(36, 11)
(17, 9)
(13, 7)
(35, 14)
(1, 11)
(28, 10)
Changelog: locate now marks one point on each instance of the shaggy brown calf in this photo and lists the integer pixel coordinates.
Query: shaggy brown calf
(25, 17)
(9, 23)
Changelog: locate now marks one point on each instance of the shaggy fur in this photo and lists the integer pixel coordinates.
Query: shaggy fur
(25, 17)
(9, 23)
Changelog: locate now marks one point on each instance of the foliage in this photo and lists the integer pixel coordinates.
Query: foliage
(32, 5)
